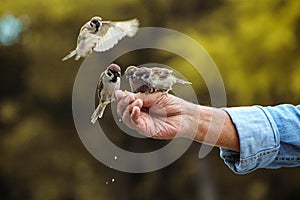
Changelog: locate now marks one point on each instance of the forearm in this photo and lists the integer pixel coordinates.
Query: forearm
(269, 138)
(214, 127)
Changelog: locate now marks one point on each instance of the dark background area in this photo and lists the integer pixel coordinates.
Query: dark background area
(255, 45)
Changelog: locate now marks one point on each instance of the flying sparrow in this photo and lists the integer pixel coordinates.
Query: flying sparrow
(148, 80)
(101, 36)
(109, 81)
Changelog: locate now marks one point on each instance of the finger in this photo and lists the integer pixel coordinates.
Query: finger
(149, 98)
(135, 114)
(119, 94)
(127, 114)
(141, 121)
(124, 102)
(126, 117)
(135, 121)
(162, 104)
(138, 103)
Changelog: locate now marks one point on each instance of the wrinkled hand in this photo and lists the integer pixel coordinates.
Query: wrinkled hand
(157, 115)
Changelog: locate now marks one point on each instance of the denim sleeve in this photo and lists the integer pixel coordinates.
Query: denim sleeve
(269, 138)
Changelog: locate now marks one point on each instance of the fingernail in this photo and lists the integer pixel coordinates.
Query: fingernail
(129, 98)
(138, 103)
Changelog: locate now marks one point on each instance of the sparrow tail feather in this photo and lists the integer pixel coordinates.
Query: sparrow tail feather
(71, 54)
(98, 113)
(180, 81)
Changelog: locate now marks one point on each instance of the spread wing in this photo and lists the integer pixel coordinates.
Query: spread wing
(111, 32)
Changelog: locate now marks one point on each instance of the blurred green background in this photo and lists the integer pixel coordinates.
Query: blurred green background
(255, 44)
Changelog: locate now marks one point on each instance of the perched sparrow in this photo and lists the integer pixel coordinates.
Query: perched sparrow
(135, 81)
(109, 81)
(148, 80)
(101, 36)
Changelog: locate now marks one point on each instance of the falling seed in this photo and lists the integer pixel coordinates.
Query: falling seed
(113, 180)
(115, 157)
(106, 182)
(120, 120)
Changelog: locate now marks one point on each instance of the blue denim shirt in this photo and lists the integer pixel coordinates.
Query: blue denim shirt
(269, 138)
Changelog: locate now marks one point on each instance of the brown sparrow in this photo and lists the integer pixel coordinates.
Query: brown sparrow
(109, 81)
(97, 35)
(148, 80)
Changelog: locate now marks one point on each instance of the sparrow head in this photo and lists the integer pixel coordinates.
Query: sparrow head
(95, 23)
(163, 72)
(113, 71)
(143, 72)
(130, 71)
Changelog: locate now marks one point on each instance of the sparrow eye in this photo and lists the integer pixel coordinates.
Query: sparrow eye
(146, 76)
(96, 22)
(91, 24)
(109, 73)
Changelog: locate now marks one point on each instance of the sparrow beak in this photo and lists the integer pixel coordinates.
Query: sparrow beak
(98, 24)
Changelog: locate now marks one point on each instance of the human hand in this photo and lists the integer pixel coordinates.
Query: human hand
(158, 115)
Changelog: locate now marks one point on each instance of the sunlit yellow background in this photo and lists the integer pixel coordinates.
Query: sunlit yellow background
(255, 44)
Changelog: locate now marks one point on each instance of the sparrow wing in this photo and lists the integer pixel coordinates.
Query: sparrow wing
(130, 27)
(111, 32)
(100, 86)
(82, 32)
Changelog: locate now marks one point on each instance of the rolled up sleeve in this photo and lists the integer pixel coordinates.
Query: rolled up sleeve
(262, 133)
